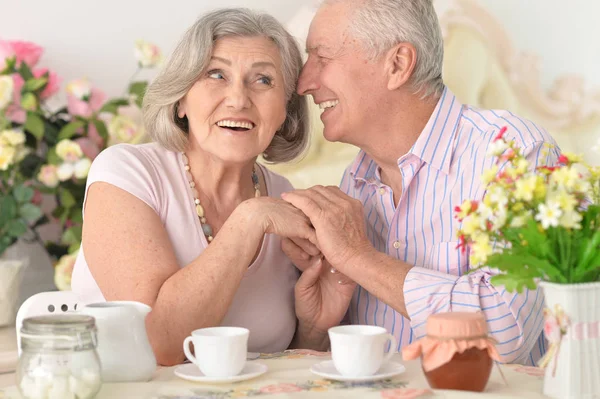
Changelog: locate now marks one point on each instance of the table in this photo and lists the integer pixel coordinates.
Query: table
(289, 377)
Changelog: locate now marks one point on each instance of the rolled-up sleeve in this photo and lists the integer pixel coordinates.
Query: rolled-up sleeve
(514, 320)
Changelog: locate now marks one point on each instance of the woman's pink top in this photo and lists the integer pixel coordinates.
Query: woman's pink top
(264, 302)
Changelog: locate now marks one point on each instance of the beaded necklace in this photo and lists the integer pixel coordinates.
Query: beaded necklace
(206, 229)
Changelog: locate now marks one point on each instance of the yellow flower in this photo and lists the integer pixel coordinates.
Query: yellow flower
(489, 175)
(464, 209)
(6, 90)
(69, 151)
(80, 89)
(525, 188)
(7, 156)
(63, 271)
(471, 224)
(565, 201)
(496, 195)
(12, 137)
(518, 207)
(481, 248)
(147, 54)
(565, 177)
(522, 165)
(82, 167)
(122, 129)
(48, 175)
(540, 188)
(570, 220)
(519, 221)
(512, 172)
(572, 157)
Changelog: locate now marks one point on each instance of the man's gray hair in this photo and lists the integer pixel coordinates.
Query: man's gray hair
(382, 24)
(190, 59)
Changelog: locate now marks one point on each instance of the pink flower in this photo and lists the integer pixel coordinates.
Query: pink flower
(53, 84)
(281, 388)
(14, 112)
(89, 148)
(404, 393)
(500, 135)
(26, 52)
(77, 107)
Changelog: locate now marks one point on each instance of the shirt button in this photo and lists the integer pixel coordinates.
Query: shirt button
(382, 191)
(397, 244)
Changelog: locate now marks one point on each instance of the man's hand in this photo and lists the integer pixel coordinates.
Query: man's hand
(301, 252)
(338, 220)
(322, 299)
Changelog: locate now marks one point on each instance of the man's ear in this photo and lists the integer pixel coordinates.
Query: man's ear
(400, 64)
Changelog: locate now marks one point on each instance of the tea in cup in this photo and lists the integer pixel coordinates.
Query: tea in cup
(219, 351)
(358, 350)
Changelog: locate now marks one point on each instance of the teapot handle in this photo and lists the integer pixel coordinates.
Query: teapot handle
(186, 350)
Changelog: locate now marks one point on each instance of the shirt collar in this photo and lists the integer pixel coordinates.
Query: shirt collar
(433, 145)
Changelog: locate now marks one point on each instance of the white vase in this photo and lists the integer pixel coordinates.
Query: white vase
(11, 274)
(574, 372)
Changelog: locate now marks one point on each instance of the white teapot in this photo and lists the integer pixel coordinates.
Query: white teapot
(123, 347)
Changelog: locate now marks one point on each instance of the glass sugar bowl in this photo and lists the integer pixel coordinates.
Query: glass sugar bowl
(59, 358)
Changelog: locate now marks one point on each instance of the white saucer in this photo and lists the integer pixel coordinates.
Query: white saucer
(327, 370)
(191, 372)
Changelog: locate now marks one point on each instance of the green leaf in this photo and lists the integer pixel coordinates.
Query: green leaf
(67, 200)
(25, 71)
(30, 212)
(8, 209)
(514, 283)
(76, 215)
(112, 106)
(16, 228)
(35, 84)
(53, 158)
(11, 63)
(23, 194)
(101, 128)
(34, 125)
(30, 164)
(74, 247)
(139, 90)
(70, 129)
(71, 236)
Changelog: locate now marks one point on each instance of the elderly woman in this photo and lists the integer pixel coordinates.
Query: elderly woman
(190, 224)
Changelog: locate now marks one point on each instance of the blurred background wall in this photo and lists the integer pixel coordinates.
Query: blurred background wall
(537, 58)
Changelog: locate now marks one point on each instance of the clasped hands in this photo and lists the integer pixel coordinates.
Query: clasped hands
(324, 290)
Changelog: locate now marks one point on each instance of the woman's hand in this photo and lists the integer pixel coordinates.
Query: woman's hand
(275, 216)
(322, 299)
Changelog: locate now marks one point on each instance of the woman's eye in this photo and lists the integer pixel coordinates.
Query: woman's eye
(265, 80)
(215, 75)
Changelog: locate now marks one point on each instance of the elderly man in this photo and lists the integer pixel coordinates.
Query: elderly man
(375, 69)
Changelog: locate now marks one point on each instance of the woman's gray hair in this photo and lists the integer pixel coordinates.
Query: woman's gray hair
(190, 59)
(382, 24)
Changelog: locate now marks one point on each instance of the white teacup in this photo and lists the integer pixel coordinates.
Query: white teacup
(220, 351)
(359, 351)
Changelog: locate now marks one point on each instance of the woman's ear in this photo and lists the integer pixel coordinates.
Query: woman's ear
(180, 109)
(400, 64)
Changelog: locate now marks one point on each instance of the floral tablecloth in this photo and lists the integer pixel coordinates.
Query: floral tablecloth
(289, 377)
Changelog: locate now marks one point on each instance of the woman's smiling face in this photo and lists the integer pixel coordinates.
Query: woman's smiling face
(239, 102)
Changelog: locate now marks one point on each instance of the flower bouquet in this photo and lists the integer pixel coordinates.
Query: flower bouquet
(542, 226)
(45, 154)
